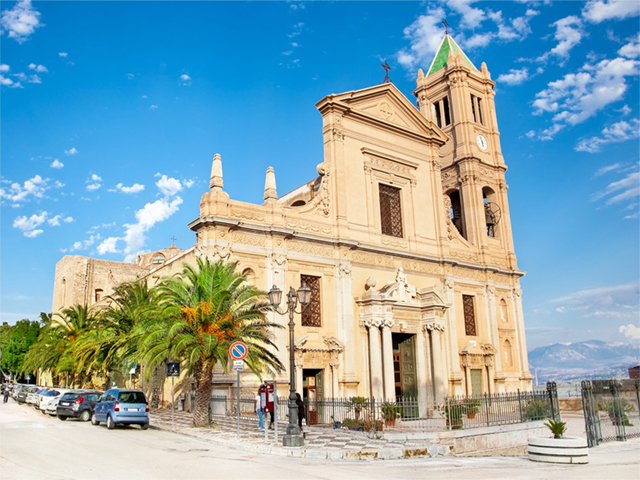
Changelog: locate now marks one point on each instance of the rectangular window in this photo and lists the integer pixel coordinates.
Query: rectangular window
(438, 115)
(445, 107)
(311, 313)
(473, 107)
(469, 315)
(480, 112)
(390, 211)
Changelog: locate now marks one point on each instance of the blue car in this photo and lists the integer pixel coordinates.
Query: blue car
(122, 407)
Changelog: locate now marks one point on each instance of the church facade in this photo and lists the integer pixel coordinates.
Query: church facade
(404, 238)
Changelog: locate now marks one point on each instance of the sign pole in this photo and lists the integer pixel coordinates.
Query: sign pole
(275, 411)
(238, 411)
(238, 351)
(173, 401)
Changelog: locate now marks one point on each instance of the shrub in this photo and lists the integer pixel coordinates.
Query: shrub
(537, 409)
(557, 428)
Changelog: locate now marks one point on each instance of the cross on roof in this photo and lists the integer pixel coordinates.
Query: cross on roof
(387, 68)
(173, 239)
(446, 26)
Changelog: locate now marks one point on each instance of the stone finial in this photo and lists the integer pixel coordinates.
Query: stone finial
(371, 282)
(270, 193)
(451, 57)
(216, 173)
(484, 70)
(420, 74)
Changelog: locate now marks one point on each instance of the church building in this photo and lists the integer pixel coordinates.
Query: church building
(404, 239)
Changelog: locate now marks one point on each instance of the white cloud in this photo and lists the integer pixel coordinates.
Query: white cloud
(549, 133)
(297, 29)
(425, 35)
(514, 77)
(34, 79)
(57, 164)
(147, 217)
(168, 186)
(85, 244)
(629, 188)
(630, 331)
(108, 245)
(631, 49)
(597, 11)
(153, 107)
(55, 221)
(4, 67)
(569, 33)
(619, 301)
(579, 96)
(38, 68)
(63, 54)
(34, 187)
(135, 188)
(188, 183)
(72, 151)
(96, 182)
(471, 17)
(28, 225)
(143, 96)
(608, 169)
(618, 132)
(185, 80)
(21, 21)
(130, 76)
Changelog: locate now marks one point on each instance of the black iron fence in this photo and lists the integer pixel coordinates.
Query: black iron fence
(409, 414)
(611, 410)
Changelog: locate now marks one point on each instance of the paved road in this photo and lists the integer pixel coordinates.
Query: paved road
(35, 446)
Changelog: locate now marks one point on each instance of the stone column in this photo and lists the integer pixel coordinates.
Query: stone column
(375, 360)
(276, 275)
(439, 373)
(387, 362)
(344, 311)
(422, 371)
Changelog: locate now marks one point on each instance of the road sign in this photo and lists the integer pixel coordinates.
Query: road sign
(238, 365)
(238, 351)
(173, 369)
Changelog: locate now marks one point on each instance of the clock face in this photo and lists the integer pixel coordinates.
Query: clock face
(482, 142)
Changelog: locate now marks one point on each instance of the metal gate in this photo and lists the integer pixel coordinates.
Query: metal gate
(611, 410)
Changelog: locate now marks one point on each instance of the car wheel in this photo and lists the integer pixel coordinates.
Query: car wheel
(85, 416)
(94, 421)
(144, 426)
(110, 424)
(61, 417)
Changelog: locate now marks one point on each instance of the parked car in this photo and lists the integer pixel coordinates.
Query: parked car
(122, 407)
(49, 397)
(23, 392)
(77, 404)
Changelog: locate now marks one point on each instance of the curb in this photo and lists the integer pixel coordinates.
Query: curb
(368, 454)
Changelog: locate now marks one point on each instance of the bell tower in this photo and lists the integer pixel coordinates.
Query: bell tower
(458, 98)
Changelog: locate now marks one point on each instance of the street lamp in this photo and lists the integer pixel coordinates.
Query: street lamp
(293, 438)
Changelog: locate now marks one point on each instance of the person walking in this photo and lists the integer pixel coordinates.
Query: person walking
(301, 410)
(258, 405)
(5, 393)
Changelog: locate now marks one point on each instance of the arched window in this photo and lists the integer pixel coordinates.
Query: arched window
(503, 311)
(491, 211)
(508, 354)
(64, 292)
(158, 259)
(250, 275)
(298, 203)
(98, 294)
(456, 211)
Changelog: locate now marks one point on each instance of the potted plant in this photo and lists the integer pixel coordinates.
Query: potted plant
(558, 448)
(472, 409)
(390, 411)
(358, 403)
(453, 410)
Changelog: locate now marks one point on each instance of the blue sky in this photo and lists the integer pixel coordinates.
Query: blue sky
(112, 112)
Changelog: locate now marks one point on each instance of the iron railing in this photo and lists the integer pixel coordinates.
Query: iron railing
(408, 414)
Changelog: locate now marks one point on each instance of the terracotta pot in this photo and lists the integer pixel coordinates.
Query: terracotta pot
(390, 423)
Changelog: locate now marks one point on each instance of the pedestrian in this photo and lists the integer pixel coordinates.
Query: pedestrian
(5, 393)
(258, 405)
(301, 410)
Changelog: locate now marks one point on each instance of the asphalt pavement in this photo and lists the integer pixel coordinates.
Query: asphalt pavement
(36, 446)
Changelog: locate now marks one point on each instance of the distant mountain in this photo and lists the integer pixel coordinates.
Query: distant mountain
(582, 358)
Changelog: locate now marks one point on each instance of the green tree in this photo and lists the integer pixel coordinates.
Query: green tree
(203, 311)
(15, 341)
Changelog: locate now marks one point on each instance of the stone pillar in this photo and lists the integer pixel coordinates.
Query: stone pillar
(276, 275)
(375, 360)
(387, 363)
(422, 371)
(344, 313)
(299, 376)
(364, 337)
(439, 366)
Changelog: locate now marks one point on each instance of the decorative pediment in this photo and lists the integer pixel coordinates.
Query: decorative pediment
(384, 105)
(307, 343)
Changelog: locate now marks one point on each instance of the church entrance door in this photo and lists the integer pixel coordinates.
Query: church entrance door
(312, 390)
(476, 381)
(404, 365)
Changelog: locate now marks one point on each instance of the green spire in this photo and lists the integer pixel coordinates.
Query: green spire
(442, 56)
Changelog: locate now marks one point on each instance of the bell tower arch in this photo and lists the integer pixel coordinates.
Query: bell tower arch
(459, 99)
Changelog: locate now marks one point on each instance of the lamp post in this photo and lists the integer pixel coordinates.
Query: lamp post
(293, 438)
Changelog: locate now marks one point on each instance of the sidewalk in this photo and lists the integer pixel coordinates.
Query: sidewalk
(320, 442)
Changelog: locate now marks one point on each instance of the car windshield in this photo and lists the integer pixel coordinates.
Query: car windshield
(70, 396)
(132, 397)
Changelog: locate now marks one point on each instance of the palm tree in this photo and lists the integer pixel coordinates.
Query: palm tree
(112, 345)
(203, 311)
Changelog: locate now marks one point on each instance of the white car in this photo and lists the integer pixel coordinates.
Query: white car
(49, 400)
(33, 398)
